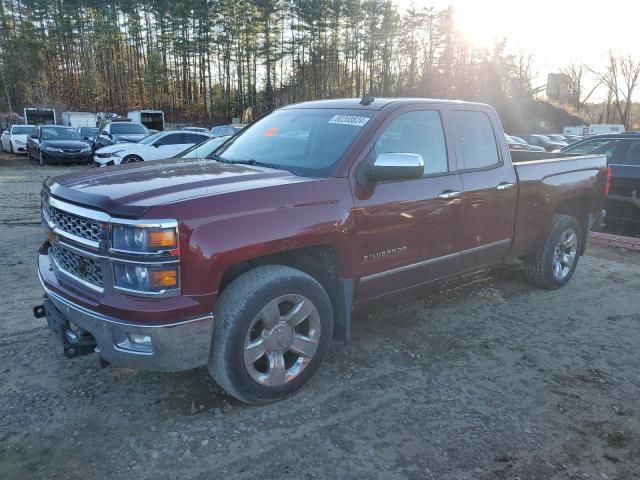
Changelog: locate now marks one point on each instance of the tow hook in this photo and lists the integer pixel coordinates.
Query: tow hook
(39, 312)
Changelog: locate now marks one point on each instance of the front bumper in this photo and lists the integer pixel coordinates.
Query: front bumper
(170, 347)
(61, 157)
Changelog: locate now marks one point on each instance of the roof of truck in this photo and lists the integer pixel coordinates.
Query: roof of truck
(376, 104)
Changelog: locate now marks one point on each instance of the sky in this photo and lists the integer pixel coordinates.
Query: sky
(556, 32)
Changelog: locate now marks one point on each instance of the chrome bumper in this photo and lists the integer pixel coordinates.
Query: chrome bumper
(166, 348)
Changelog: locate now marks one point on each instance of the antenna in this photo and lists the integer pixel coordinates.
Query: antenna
(367, 100)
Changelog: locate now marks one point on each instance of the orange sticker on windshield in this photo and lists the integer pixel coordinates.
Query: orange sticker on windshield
(271, 132)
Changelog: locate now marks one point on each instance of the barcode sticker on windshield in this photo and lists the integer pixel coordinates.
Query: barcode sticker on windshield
(349, 120)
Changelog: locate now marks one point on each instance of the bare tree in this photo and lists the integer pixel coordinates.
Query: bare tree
(576, 74)
(621, 78)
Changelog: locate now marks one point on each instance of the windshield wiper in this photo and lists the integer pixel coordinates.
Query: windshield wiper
(243, 162)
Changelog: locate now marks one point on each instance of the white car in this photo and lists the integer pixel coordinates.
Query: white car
(154, 147)
(14, 138)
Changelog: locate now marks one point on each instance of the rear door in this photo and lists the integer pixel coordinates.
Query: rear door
(490, 196)
(623, 201)
(408, 231)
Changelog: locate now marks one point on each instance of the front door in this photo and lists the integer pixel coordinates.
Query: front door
(407, 231)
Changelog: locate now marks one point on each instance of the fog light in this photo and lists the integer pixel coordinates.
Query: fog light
(133, 342)
(139, 339)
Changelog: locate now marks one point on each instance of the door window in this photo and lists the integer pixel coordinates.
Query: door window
(592, 146)
(171, 139)
(475, 142)
(193, 138)
(418, 132)
(633, 154)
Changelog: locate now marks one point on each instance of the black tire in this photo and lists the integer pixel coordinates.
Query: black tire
(10, 147)
(538, 268)
(41, 158)
(131, 159)
(238, 306)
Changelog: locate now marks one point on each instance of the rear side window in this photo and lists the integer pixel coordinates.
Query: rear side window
(592, 146)
(633, 154)
(475, 142)
(417, 132)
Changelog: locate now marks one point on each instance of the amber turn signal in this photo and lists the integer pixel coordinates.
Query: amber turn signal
(164, 278)
(162, 238)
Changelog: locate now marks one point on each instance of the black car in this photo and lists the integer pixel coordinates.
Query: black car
(545, 142)
(623, 156)
(88, 133)
(120, 132)
(54, 143)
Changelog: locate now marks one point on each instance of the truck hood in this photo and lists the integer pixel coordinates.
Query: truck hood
(130, 190)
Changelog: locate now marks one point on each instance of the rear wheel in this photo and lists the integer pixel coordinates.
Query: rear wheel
(272, 330)
(555, 262)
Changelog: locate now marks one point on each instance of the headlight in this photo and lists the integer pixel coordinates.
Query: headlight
(49, 148)
(146, 278)
(143, 239)
(116, 153)
(20, 142)
(86, 149)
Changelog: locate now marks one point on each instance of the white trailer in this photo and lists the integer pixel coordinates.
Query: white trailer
(39, 116)
(79, 119)
(153, 119)
(605, 128)
(579, 130)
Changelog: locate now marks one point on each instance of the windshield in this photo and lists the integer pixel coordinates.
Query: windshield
(203, 149)
(21, 130)
(151, 138)
(60, 133)
(303, 141)
(88, 131)
(128, 128)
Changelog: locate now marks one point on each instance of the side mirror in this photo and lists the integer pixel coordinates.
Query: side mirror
(395, 166)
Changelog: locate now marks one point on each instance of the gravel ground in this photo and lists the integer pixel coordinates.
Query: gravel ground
(481, 378)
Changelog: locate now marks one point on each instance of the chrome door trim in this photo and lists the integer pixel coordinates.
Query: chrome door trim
(424, 263)
(411, 266)
(485, 246)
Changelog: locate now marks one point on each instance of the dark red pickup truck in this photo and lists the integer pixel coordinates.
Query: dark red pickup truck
(251, 261)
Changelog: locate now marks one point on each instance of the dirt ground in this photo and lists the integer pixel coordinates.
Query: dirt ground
(481, 378)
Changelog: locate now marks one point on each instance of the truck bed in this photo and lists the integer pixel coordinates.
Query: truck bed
(547, 182)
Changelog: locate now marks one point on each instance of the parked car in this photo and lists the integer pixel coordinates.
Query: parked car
(57, 144)
(204, 149)
(120, 132)
(196, 129)
(517, 143)
(283, 234)
(545, 142)
(623, 156)
(154, 147)
(224, 130)
(88, 133)
(14, 138)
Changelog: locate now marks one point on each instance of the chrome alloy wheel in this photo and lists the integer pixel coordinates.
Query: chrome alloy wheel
(282, 340)
(564, 255)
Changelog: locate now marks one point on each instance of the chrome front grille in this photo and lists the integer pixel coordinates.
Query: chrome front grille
(73, 224)
(86, 268)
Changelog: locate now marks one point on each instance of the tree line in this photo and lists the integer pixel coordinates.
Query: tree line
(209, 60)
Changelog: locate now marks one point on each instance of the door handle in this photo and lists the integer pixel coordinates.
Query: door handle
(448, 195)
(505, 186)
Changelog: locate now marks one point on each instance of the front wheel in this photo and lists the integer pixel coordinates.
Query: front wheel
(556, 260)
(41, 158)
(131, 159)
(273, 327)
